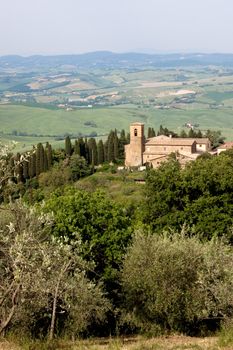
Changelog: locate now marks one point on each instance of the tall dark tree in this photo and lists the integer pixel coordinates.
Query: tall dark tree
(122, 143)
(49, 155)
(183, 134)
(152, 132)
(77, 149)
(46, 167)
(199, 134)
(86, 151)
(26, 169)
(32, 165)
(149, 132)
(68, 146)
(191, 133)
(92, 148)
(39, 159)
(100, 152)
(110, 143)
(116, 146)
(19, 169)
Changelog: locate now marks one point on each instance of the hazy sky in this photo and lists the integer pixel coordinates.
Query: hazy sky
(75, 26)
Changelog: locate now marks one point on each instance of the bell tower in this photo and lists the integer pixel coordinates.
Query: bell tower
(134, 151)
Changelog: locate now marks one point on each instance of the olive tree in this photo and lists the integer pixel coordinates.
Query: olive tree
(175, 282)
(38, 272)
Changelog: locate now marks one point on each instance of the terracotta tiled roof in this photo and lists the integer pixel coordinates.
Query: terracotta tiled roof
(137, 123)
(202, 140)
(164, 140)
(226, 145)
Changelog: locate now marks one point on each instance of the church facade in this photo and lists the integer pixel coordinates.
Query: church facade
(156, 150)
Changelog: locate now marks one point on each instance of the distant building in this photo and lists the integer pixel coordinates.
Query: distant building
(225, 147)
(156, 150)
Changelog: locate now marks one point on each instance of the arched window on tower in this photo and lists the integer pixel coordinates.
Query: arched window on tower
(135, 132)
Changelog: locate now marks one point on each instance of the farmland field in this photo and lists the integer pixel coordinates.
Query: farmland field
(47, 102)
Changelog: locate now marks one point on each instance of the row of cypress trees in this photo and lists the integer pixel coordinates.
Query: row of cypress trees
(99, 152)
(40, 160)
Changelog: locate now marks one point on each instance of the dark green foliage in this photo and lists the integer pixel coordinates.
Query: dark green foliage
(26, 169)
(175, 282)
(191, 133)
(201, 196)
(102, 226)
(92, 149)
(100, 152)
(49, 155)
(77, 147)
(151, 132)
(116, 146)
(78, 167)
(19, 169)
(166, 132)
(68, 146)
(183, 134)
(39, 159)
(32, 165)
(215, 137)
(110, 147)
(122, 142)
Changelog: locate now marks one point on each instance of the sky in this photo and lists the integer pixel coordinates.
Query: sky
(48, 27)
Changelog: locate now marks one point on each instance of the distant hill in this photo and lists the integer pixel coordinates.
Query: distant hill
(106, 59)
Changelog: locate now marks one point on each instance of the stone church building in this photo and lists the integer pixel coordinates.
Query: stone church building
(157, 149)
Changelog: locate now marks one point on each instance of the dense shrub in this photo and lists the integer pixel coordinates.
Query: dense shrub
(176, 282)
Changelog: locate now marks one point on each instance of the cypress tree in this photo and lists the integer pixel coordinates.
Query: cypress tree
(42, 159)
(77, 149)
(92, 149)
(19, 169)
(49, 155)
(12, 166)
(100, 152)
(115, 146)
(68, 146)
(191, 133)
(122, 142)
(199, 134)
(32, 165)
(26, 169)
(38, 159)
(152, 132)
(149, 133)
(183, 134)
(82, 147)
(86, 151)
(111, 157)
(46, 166)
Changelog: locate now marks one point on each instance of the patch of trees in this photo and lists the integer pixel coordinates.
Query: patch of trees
(200, 196)
(99, 152)
(82, 264)
(176, 283)
(44, 287)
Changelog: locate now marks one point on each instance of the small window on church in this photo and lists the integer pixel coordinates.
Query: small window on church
(135, 132)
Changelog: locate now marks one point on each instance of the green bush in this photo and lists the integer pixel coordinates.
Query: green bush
(176, 282)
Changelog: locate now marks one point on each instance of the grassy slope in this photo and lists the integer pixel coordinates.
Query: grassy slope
(56, 122)
(212, 108)
(137, 343)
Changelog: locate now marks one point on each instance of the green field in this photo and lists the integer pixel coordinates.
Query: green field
(96, 101)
